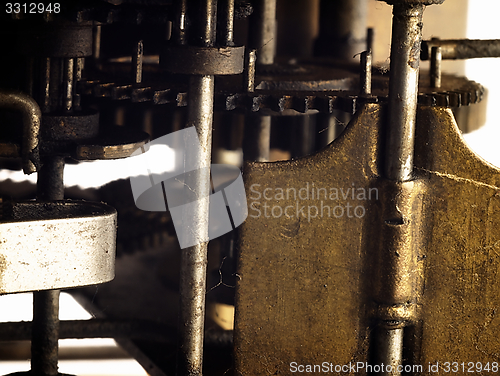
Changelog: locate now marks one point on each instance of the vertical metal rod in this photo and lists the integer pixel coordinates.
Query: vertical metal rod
(390, 350)
(97, 42)
(403, 90)
(257, 138)
(137, 61)
(226, 17)
(30, 76)
(370, 37)
(50, 184)
(436, 58)
(68, 84)
(45, 89)
(263, 40)
(263, 31)
(251, 59)
(79, 64)
(179, 31)
(342, 28)
(194, 259)
(45, 332)
(366, 73)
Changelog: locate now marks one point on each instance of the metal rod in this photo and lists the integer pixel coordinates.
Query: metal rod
(79, 63)
(137, 61)
(95, 328)
(436, 59)
(263, 31)
(366, 73)
(45, 89)
(370, 37)
(50, 184)
(194, 259)
(179, 31)
(97, 42)
(389, 344)
(342, 28)
(454, 49)
(226, 23)
(257, 138)
(68, 84)
(403, 90)
(45, 333)
(251, 59)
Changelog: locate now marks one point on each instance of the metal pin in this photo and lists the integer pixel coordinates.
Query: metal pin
(79, 62)
(137, 59)
(45, 89)
(97, 43)
(68, 84)
(366, 73)
(436, 59)
(179, 31)
(250, 71)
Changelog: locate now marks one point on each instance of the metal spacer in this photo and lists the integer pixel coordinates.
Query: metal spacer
(203, 60)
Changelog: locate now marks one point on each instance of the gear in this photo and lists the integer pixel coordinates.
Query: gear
(297, 87)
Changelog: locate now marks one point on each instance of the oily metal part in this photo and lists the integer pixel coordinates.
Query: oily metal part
(329, 307)
(52, 245)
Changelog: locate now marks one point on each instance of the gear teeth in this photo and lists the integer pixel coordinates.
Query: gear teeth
(325, 102)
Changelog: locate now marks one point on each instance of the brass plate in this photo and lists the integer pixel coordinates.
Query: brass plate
(306, 285)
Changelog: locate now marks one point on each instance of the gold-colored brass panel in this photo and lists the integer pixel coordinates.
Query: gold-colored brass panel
(309, 288)
(299, 297)
(462, 285)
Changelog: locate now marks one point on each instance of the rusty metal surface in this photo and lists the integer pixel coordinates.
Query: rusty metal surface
(308, 290)
(462, 48)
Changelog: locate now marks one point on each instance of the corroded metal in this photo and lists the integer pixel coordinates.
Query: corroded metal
(308, 290)
(462, 48)
(31, 116)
